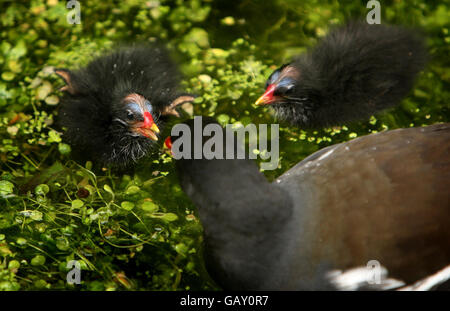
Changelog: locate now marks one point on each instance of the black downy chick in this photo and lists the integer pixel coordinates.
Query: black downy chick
(355, 71)
(115, 107)
(379, 198)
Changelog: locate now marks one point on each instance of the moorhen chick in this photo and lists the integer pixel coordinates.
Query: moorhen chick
(356, 70)
(114, 108)
(382, 197)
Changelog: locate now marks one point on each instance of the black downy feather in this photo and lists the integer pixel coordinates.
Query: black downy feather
(355, 71)
(92, 106)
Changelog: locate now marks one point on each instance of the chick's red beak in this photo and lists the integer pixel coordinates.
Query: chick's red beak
(168, 145)
(267, 97)
(149, 128)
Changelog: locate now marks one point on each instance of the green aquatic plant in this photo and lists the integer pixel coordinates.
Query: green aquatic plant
(136, 229)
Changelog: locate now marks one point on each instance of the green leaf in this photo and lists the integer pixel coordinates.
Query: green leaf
(132, 190)
(108, 189)
(8, 76)
(44, 90)
(40, 284)
(6, 187)
(64, 148)
(127, 205)
(38, 260)
(54, 137)
(149, 206)
(36, 215)
(169, 217)
(52, 100)
(21, 241)
(77, 204)
(13, 264)
(19, 50)
(181, 248)
(198, 36)
(41, 189)
(62, 244)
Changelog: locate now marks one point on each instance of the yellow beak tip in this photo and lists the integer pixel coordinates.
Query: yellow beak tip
(155, 128)
(153, 136)
(259, 101)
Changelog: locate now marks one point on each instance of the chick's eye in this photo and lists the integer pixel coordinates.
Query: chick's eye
(289, 89)
(130, 115)
(284, 90)
(132, 109)
(285, 87)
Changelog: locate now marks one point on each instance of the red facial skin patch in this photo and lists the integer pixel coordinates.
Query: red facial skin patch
(148, 120)
(267, 97)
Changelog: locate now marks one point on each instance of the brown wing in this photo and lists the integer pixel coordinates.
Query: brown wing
(382, 197)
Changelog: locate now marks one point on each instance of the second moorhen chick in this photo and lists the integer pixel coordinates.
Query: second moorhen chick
(356, 70)
(382, 197)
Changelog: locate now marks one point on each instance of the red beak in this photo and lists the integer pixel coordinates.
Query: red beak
(168, 143)
(149, 129)
(148, 120)
(267, 97)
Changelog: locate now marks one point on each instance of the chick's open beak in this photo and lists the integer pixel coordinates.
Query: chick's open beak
(149, 128)
(267, 97)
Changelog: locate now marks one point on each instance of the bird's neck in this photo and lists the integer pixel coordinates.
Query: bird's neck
(243, 215)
